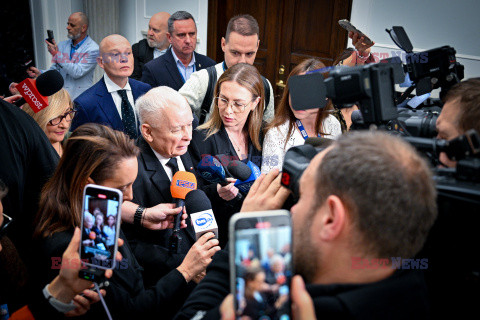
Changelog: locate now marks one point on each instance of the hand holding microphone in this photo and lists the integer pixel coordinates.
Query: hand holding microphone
(182, 183)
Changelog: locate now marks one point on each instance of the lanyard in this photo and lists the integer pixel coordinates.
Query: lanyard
(302, 130)
(180, 71)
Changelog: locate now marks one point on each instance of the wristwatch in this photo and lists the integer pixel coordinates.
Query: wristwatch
(137, 218)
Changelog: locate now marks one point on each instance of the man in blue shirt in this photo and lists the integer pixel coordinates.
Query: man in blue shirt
(175, 67)
(74, 58)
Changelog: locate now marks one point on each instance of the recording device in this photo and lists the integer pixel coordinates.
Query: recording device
(241, 170)
(182, 183)
(212, 170)
(50, 36)
(35, 91)
(200, 210)
(347, 25)
(260, 258)
(101, 216)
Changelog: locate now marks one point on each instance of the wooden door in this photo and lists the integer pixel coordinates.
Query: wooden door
(290, 31)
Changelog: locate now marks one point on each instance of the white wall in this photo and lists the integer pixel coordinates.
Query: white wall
(428, 23)
(133, 24)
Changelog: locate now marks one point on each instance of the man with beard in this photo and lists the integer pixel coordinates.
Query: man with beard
(154, 46)
(357, 225)
(74, 58)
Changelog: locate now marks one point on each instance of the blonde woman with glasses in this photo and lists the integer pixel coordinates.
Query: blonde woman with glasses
(55, 120)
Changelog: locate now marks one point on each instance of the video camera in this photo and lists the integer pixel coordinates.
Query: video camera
(372, 88)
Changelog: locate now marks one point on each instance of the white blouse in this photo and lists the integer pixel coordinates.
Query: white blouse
(274, 147)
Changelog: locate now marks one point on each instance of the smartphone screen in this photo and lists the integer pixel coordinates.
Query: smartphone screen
(100, 226)
(260, 255)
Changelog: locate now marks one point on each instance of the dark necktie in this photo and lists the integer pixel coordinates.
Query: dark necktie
(172, 164)
(128, 115)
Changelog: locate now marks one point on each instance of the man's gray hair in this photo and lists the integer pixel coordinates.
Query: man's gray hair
(179, 15)
(150, 106)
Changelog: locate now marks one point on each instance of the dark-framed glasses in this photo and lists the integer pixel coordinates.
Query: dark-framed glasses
(237, 107)
(3, 228)
(69, 115)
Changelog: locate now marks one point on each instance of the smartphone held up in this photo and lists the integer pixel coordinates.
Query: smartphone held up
(261, 264)
(100, 226)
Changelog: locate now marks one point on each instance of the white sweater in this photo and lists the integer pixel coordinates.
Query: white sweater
(274, 147)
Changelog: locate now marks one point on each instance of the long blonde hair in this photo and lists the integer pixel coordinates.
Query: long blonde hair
(58, 103)
(248, 77)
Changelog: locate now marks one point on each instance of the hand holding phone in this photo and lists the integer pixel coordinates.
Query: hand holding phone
(50, 36)
(347, 25)
(261, 264)
(100, 226)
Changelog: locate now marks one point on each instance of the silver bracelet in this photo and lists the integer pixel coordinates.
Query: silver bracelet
(60, 306)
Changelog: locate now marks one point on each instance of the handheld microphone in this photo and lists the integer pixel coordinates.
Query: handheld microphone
(35, 92)
(318, 142)
(245, 185)
(239, 170)
(212, 170)
(200, 210)
(182, 183)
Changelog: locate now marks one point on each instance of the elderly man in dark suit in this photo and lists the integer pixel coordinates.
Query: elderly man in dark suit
(166, 130)
(175, 67)
(154, 46)
(110, 101)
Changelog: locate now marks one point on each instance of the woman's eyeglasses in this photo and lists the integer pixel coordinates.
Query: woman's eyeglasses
(6, 221)
(67, 116)
(237, 107)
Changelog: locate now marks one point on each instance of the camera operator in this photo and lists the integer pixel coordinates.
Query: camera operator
(353, 212)
(460, 112)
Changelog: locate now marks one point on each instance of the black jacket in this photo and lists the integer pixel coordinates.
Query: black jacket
(152, 187)
(400, 296)
(220, 144)
(163, 70)
(142, 53)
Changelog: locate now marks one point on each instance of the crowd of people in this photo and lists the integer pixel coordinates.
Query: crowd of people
(159, 108)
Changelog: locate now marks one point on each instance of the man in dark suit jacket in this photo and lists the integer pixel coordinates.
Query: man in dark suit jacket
(110, 101)
(154, 46)
(166, 126)
(180, 61)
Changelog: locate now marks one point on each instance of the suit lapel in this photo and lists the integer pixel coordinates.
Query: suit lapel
(188, 164)
(158, 175)
(106, 104)
(171, 66)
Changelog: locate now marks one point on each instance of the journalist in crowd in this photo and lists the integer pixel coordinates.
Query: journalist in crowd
(339, 231)
(99, 155)
(235, 131)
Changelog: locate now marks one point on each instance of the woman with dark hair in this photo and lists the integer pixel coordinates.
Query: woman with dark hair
(99, 155)
(234, 131)
(291, 127)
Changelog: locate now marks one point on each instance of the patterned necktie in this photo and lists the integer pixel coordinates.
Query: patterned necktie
(172, 164)
(128, 116)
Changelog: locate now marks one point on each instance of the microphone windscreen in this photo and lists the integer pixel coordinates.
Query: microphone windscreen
(49, 82)
(182, 183)
(357, 116)
(211, 169)
(239, 170)
(196, 201)
(318, 142)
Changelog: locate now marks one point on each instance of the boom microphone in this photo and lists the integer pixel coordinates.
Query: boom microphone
(200, 210)
(35, 92)
(182, 183)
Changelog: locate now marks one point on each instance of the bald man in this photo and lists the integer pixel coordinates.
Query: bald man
(154, 46)
(74, 58)
(110, 101)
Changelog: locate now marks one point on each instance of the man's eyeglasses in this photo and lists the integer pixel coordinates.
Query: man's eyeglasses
(237, 107)
(6, 221)
(69, 115)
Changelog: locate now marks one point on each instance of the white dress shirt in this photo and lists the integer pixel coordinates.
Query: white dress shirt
(112, 88)
(163, 162)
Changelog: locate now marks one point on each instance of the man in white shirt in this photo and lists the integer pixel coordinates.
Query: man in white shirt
(154, 46)
(110, 101)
